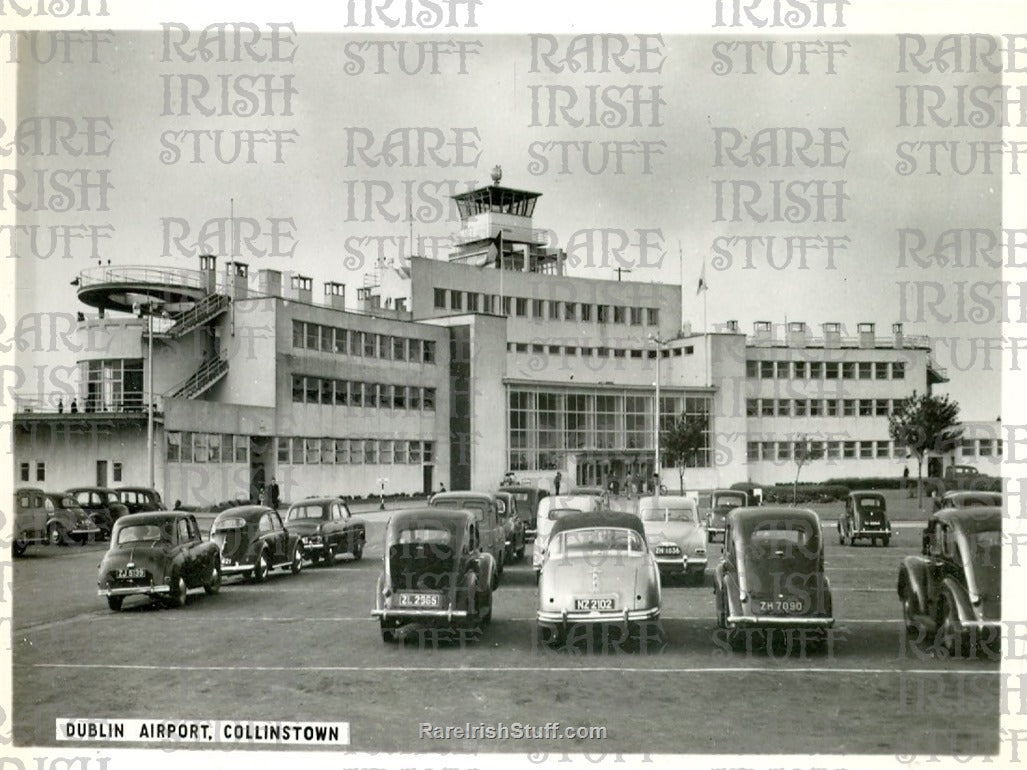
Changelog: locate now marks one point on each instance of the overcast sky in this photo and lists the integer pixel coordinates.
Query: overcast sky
(499, 99)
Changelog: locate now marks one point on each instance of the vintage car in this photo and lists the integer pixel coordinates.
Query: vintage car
(953, 590)
(140, 499)
(722, 502)
(513, 526)
(968, 500)
(326, 528)
(772, 571)
(490, 528)
(435, 572)
(865, 517)
(549, 510)
(101, 504)
(597, 569)
(159, 555)
(675, 536)
(527, 498)
(66, 521)
(31, 519)
(253, 541)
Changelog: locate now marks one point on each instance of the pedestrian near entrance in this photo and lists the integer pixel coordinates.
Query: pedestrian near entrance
(556, 483)
(905, 482)
(276, 495)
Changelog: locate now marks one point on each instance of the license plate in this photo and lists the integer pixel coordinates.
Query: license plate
(420, 600)
(781, 605)
(131, 573)
(226, 562)
(594, 604)
(667, 550)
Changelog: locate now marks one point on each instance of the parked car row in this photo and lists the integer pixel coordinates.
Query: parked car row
(75, 515)
(161, 555)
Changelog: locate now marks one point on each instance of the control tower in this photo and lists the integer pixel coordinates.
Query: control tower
(496, 230)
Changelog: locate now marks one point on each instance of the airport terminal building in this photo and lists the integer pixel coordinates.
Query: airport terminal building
(448, 372)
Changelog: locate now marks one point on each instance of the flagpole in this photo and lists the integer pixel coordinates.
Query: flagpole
(500, 258)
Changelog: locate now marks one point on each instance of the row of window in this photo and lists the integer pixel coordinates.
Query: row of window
(324, 390)
(600, 352)
(819, 407)
(354, 451)
(777, 451)
(542, 309)
(192, 447)
(350, 342)
(825, 370)
(25, 471)
(980, 447)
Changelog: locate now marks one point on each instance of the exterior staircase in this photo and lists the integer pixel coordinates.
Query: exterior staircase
(207, 309)
(201, 380)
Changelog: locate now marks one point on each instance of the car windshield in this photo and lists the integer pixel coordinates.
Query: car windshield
(729, 501)
(669, 513)
(139, 533)
(870, 504)
(576, 542)
(230, 522)
(973, 501)
(67, 501)
(307, 512)
(785, 535)
(986, 560)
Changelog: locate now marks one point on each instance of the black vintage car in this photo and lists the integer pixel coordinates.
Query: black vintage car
(490, 528)
(326, 528)
(253, 541)
(952, 592)
(67, 521)
(772, 572)
(140, 499)
(102, 505)
(158, 555)
(865, 517)
(435, 573)
(513, 526)
(527, 498)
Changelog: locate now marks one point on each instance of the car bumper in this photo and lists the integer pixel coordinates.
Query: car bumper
(677, 564)
(623, 617)
(312, 546)
(235, 569)
(134, 591)
(778, 621)
(529, 535)
(870, 533)
(712, 532)
(89, 530)
(413, 615)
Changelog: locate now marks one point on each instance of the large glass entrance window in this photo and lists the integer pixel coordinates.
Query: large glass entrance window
(113, 385)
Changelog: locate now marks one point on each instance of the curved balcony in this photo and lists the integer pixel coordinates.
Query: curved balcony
(155, 288)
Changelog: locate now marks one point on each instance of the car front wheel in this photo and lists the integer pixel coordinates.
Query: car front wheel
(909, 612)
(950, 633)
(57, 534)
(213, 584)
(358, 549)
(297, 560)
(179, 593)
(261, 568)
(18, 547)
(328, 555)
(388, 632)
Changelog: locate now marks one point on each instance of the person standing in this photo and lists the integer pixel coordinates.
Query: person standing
(275, 493)
(556, 483)
(905, 481)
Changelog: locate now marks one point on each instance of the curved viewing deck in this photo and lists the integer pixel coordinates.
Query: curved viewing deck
(123, 288)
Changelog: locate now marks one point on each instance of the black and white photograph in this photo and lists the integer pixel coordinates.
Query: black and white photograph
(463, 383)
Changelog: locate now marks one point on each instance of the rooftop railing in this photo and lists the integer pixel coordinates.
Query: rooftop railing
(60, 402)
(169, 276)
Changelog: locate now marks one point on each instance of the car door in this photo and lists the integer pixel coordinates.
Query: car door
(186, 551)
(281, 539)
(345, 525)
(335, 528)
(936, 545)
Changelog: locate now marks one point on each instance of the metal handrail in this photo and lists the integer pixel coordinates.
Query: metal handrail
(60, 402)
(483, 230)
(784, 340)
(175, 276)
(200, 377)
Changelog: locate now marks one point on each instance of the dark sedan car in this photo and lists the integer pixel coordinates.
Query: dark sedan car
(253, 541)
(722, 502)
(772, 572)
(140, 499)
(102, 505)
(866, 517)
(527, 498)
(953, 590)
(326, 528)
(490, 528)
(435, 573)
(158, 555)
(67, 521)
(513, 526)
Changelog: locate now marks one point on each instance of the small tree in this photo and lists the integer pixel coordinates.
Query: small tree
(805, 451)
(683, 442)
(924, 423)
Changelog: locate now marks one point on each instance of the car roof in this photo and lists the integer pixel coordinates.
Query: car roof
(243, 511)
(728, 490)
(985, 518)
(462, 495)
(135, 489)
(669, 500)
(866, 493)
(598, 519)
(749, 516)
(316, 501)
(151, 517)
(450, 516)
(90, 489)
(964, 494)
(522, 488)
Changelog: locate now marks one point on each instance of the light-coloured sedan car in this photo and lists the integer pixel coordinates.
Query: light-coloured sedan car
(550, 509)
(675, 536)
(598, 570)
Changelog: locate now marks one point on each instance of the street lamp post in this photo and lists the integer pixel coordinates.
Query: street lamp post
(656, 423)
(149, 399)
